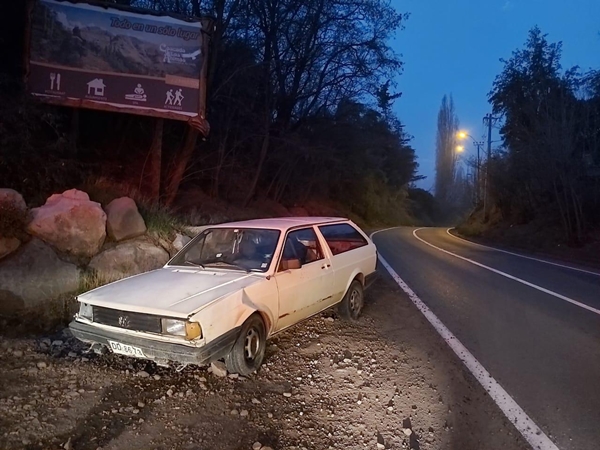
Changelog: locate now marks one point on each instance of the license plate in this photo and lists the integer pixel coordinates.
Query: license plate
(124, 349)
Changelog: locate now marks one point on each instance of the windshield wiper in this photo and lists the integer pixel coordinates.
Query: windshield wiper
(191, 263)
(237, 266)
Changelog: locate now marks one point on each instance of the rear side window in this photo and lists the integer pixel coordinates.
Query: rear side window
(342, 237)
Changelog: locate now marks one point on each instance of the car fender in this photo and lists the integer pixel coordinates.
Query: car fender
(356, 273)
(228, 313)
(251, 307)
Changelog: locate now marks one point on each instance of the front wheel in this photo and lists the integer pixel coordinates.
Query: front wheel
(352, 304)
(248, 352)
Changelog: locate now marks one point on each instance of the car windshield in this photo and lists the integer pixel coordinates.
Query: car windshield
(247, 249)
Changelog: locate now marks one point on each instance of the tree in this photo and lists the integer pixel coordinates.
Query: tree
(549, 127)
(445, 154)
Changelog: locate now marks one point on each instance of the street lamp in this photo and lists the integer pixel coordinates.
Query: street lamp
(463, 135)
(460, 148)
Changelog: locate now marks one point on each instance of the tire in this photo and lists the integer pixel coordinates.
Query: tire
(248, 352)
(352, 304)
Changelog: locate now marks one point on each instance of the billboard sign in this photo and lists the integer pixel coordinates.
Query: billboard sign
(106, 58)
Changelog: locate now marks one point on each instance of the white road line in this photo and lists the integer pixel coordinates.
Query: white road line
(504, 274)
(564, 266)
(513, 412)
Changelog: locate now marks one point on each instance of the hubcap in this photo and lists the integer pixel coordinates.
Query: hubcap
(252, 346)
(355, 302)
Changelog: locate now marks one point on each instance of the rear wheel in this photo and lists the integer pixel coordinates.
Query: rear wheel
(352, 304)
(248, 352)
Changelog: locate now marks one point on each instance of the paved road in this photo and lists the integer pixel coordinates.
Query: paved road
(543, 350)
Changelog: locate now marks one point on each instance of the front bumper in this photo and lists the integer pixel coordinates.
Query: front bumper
(160, 352)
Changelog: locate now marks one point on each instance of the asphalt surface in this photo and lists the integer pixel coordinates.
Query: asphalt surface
(543, 350)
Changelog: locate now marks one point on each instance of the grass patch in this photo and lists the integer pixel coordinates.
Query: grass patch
(471, 229)
(160, 221)
(91, 279)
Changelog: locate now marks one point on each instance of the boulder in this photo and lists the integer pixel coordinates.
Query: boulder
(13, 218)
(180, 241)
(124, 221)
(195, 231)
(12, 197)
(34, 275)
(8, 245)
(71, 223)
(127, 259)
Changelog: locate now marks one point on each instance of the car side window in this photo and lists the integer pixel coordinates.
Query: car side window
(342, 237)
(302, 245)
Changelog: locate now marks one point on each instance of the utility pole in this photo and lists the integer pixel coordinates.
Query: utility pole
(487, 120)
(478, 173)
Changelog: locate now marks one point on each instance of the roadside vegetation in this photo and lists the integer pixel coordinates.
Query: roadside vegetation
(544, 179)
(310, 134)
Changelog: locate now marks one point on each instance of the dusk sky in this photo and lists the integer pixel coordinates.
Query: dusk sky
(454, 47)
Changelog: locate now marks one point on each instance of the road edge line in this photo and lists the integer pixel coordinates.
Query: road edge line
(564, 266)
(509, 407)
(511, 277)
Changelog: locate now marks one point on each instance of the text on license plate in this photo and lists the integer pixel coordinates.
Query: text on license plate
(124, 349)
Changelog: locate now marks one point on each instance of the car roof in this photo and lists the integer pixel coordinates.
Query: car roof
(280, 223)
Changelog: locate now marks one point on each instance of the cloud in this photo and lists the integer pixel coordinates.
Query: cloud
(62, 18)
(508, 5)
(69, 25)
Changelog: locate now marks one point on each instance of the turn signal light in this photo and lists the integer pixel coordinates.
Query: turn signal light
(192, 330)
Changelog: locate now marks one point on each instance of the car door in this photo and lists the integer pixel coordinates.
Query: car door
(303, 290)
(349, 250)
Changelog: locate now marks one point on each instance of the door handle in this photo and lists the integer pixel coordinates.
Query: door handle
(325, 266)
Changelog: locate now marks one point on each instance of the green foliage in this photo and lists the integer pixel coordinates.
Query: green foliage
(300, 108)
(90, 279)
(551, 137)
(160, 221)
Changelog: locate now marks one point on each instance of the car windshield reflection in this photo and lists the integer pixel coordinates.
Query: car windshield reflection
(245, 249)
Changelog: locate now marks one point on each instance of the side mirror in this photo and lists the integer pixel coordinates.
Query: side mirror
(290, 264)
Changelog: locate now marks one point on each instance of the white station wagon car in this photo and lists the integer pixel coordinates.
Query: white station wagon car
(230, 289)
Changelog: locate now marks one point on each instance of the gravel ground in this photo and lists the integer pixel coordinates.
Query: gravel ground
(387, 381)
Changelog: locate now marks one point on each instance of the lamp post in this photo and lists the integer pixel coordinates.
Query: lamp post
(478, 144)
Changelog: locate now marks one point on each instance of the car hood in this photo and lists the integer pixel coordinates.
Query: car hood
(169, 291)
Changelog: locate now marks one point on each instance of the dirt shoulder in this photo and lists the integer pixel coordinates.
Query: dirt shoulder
(388, 379)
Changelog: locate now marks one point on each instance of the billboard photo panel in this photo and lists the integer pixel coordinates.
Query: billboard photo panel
(107, 58)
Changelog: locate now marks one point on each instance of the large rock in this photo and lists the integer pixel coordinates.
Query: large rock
(8, 245)
(13, 219)
(71, 223)
(124, 221)
(128, 258)
(34, 275)
(12, 197)
(180, 241)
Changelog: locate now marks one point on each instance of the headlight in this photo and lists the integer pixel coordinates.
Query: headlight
(176, 327)
(86, 311)
(173, 326)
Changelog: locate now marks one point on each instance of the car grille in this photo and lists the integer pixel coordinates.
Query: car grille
(126, 319)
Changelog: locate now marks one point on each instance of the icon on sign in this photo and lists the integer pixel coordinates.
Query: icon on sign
(138, 94)
(174, 99)
(97, 87)
(178, 97)
(170, 97)
(54, 81)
